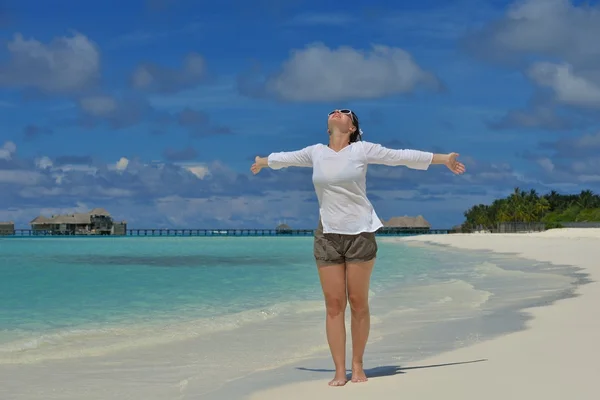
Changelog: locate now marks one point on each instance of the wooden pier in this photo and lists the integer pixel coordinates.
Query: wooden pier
(236, 232)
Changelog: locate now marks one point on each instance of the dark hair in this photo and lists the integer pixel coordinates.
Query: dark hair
(355, 136)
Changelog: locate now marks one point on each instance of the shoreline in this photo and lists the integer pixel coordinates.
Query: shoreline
(550, 358)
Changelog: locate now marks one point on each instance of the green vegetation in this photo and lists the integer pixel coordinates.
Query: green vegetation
(521, 206)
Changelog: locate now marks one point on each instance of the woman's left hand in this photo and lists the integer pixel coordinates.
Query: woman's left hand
(454, 165)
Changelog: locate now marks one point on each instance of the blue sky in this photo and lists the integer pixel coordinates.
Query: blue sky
(155, 109)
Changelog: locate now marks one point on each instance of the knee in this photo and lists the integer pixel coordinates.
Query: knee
(358, 304)
(335, 305)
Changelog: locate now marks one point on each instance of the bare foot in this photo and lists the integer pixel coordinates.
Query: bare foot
(339, 379)
(358, 373)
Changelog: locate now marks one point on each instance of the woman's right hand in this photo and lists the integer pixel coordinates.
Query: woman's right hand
(259, 163)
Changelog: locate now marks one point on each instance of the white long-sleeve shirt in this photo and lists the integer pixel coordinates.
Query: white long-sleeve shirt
(339, 179)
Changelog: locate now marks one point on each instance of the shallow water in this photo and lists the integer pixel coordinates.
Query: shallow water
(168, 317)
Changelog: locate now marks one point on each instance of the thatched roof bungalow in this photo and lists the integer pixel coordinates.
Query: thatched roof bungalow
(41, 223)
(40, 220)
(283, 229)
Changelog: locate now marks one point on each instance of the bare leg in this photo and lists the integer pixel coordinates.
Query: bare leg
(359, 277)
(333, 282)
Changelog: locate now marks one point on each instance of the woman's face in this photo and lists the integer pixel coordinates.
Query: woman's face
(341, 121)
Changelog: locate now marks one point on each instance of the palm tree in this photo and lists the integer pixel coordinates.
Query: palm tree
(586, 199)
(554, 199)
(542, 206)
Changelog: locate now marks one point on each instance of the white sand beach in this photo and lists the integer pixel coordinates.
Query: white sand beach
(556, 357)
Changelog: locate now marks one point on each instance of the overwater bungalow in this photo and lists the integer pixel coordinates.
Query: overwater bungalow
(95, 222)
(283, 229)
(7, 228)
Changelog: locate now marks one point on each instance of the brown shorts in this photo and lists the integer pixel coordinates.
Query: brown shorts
(335, 248)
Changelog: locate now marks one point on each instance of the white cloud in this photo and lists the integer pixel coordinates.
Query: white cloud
(122, 164)
(11, 147)
(200, 170)
(568, 87)
(66, 64)
(318, 73)
(7, 150)
(546, 164)
(44, 163)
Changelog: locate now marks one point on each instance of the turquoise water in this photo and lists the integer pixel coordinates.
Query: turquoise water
(160, 317)
(56, 285)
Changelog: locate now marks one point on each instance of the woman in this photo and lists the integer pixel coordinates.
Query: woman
(344, 243)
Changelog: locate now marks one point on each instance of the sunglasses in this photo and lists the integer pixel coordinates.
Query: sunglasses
(344, 111)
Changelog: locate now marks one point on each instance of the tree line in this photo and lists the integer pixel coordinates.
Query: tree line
(551, 209)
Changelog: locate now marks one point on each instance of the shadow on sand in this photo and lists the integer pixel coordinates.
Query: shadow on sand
(390, 370)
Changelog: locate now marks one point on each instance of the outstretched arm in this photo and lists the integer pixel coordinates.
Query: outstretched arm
(415, 159)
(298, 158)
